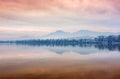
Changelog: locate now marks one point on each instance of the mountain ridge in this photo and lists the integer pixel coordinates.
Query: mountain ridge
(60, 34)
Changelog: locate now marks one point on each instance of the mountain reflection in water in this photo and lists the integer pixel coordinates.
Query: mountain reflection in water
(88, 61)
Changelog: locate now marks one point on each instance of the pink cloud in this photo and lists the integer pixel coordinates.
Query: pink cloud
(52, 5)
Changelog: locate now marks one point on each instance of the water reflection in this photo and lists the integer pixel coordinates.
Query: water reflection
(13, 51)
(59, 62)
(110, 47)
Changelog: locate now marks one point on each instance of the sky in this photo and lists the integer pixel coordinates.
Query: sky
(34, 18)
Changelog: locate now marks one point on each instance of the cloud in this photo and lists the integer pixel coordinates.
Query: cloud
(31, 7)
(51, 15)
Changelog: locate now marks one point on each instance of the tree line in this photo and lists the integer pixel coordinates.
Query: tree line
(112, 39)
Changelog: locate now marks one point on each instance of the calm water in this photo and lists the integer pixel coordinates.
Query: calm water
(26, 52)
(67, 62)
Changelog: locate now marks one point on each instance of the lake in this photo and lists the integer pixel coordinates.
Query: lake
(59, 62)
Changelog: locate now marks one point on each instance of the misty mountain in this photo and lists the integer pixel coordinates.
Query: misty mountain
(76, 35)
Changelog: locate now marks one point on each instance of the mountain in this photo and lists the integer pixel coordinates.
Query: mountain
(92, 33)
(58, 34)
(76, 35)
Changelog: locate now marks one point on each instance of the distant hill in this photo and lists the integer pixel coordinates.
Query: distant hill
(76, 35)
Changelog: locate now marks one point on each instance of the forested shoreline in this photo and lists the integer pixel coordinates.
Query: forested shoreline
(112, 39)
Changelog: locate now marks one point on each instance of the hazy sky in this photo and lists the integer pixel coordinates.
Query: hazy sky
(21, 18)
